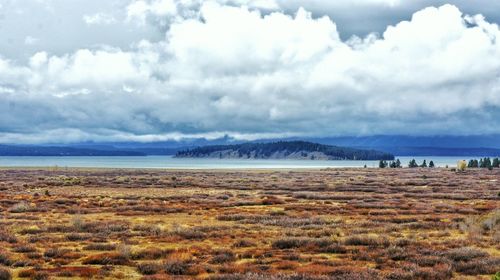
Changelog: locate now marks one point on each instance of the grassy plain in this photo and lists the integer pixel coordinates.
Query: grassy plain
(310, 224)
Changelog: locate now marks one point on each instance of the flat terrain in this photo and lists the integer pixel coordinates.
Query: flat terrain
(323, 224)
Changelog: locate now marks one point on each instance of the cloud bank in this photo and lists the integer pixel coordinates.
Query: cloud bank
(255, 71)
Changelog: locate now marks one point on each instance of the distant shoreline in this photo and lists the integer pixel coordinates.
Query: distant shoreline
(169, 162)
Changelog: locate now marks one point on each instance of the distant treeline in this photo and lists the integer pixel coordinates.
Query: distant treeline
(412, 164)
(266, 150)
(473, 163)
(484, 163)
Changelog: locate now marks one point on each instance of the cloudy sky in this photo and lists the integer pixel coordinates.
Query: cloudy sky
(150, 70)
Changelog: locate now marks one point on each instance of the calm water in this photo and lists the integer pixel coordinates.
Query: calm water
(169, 162)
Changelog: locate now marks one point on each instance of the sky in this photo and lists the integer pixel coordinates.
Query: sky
(155, 70)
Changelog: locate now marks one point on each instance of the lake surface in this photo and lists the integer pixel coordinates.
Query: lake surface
(169, 162)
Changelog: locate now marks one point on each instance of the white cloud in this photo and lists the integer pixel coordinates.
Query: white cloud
(139, 10)
(99, 19)
(28, 40)
(234, 70)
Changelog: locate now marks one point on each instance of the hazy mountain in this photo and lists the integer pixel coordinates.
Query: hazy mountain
(399, 145)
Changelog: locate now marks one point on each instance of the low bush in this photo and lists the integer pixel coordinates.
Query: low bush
(222, 256)
(149, 268)
(107, 259)
(20, 207)
(77, 237)
(5, 274)
(5, 259)
(176, 267)
(24, 249)
(429, 261)
(365, 240)
(438, 272)
(150, 254)
(55, 252)
(7, 237)
(396, 253)
(40, 275)
(464, 254)
(298, 242)
(243, 243)
(478, 266)
(100, 247)
(191, 234)
(27, 273)
(334, 249)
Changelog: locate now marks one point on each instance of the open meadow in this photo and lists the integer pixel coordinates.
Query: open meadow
(289, 224)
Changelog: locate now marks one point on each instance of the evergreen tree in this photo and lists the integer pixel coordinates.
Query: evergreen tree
(431, 164)
(395, 164)
(476, 164)
(413, 164)
(424, 164)
(496, 163)
(382, 164)
(487, 163)
(470, 164)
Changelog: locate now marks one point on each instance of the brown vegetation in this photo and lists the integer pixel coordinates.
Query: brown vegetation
(283, 225)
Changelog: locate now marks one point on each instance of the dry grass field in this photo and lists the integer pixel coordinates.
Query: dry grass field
(323, 224)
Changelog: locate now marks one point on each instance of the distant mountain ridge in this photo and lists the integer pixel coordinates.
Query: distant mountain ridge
(283, 150)
(399, 145)
(14, 150)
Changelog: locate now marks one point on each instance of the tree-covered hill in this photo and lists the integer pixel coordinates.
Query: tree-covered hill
(284, 150)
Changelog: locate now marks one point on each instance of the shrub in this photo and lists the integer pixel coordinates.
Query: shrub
(288, 243)
(55, 252)
(40, 276)
(223, 256)
(176, 267)
(400, 274)
(5, 259)
(439, 272)
(191, 234)
(397, 253)
(24, 249)
(31, 230)
(294, 242)
(77, 237)
(365, 240)
(107, 259)
(26, 273)
(100, 247)
(150, 254)
(5, 274)
(478, 267)
(272, 201)
(465, 254)
(255, 276)
(20, 207)
(7, 237)
(149, 268)
(334, 249)
(429, 261)
(243, 243)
